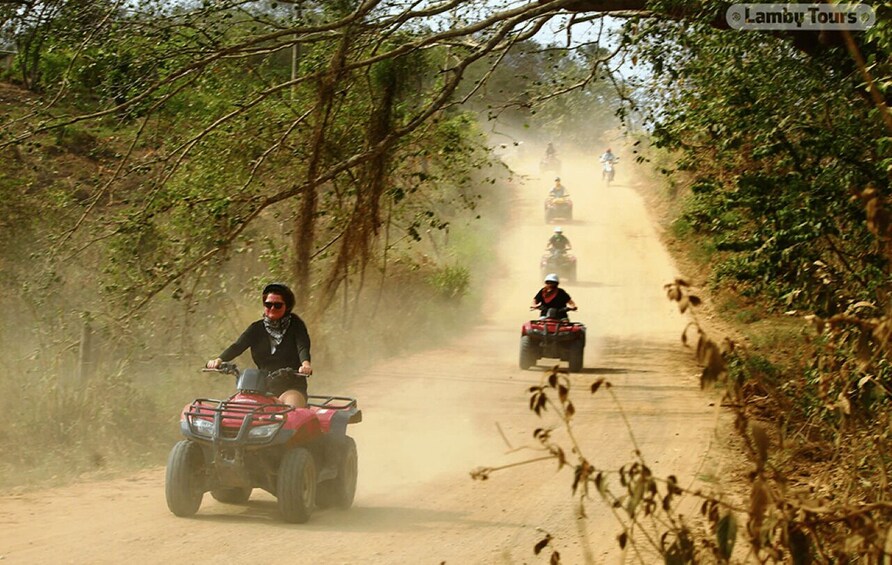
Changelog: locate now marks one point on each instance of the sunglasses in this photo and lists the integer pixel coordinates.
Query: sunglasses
(273, 305)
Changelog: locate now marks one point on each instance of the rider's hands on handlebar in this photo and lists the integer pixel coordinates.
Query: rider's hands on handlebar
(214, 363)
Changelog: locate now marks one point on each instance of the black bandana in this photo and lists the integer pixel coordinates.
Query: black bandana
(276, 329)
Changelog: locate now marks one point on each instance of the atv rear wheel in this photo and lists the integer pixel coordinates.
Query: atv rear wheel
(574, 357)
(234, 495)
(528, 356)
(296, 485)
(340, 491)
(184, 480)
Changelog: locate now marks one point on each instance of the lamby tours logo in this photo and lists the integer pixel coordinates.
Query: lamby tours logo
(800, 16)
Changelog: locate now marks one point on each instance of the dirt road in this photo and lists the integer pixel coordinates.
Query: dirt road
(432, 417)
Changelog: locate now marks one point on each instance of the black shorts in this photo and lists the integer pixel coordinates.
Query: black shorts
(279, 383)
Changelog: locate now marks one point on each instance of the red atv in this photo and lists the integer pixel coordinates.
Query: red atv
(552, 336)
(302, 456)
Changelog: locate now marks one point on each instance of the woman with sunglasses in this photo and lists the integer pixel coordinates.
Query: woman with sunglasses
(277, 341)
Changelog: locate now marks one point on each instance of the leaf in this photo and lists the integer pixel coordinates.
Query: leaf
(761, 441)
(887, 548)
(817, 322)
(864, 380)
(683, 304)
(562, 393)
(726, 534)
(541, 544)
(672, 484)
(695, 300)
(636, 494)
(597, 384)
(842, 402)
(672, 292)
(759, 498)
(622, 539)
(559, 455)
(602, 487)
(571, 410)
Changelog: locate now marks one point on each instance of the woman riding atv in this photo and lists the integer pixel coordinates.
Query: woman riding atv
(279, 343)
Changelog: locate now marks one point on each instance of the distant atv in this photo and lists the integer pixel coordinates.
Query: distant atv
(550, 163)
(302, 456)
(559, 262)
(558, 208)
(552, 336)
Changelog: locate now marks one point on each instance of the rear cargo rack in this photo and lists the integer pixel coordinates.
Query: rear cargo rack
(340, 403)
(331, 402)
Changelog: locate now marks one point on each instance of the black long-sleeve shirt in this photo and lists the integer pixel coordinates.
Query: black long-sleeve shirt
(558, 299)
(294, 349)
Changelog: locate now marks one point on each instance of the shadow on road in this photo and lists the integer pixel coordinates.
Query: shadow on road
(357, 519)
(611, 371)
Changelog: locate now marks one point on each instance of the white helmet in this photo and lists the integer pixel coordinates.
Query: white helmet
(557, 179)
(552, 277)
(558, 230)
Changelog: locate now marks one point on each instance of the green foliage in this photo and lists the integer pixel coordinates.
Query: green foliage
(451, 281)
(774, 173)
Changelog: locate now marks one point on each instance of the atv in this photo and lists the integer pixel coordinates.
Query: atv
(558, 207)
(302, 456)
(550, 163)
(561, 263)
(552, 336)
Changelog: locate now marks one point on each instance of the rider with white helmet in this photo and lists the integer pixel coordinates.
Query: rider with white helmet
(558, 242)
(552, 296)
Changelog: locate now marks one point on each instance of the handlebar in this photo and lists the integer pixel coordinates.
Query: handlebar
(227, 368)
(232, 369)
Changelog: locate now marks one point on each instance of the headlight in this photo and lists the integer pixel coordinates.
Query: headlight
(263, 432)
(202, 427)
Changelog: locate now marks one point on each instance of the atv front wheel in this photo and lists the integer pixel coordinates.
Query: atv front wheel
(234, 495)
(340, 491)
(574, 358)
(296, 485)
(184, 480)
(528, 355)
